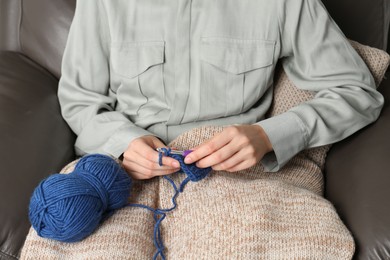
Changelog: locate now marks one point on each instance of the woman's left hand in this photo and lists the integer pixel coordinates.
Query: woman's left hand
(235, 148)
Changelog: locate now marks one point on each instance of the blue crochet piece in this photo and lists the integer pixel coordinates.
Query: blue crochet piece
(193, 174)
(191, 170)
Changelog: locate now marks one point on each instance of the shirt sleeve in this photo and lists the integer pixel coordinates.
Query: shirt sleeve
(87, 103)
(318, 57)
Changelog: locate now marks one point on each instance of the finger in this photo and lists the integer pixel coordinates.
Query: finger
(208, 148)
(150, 165)
(153, 157)
(139, 172)
(242, 162)
(218, 157)
(230, 162)
(241, 166)
(131, 156)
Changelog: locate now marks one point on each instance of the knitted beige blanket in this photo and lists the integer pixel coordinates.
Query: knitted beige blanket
(244, 215)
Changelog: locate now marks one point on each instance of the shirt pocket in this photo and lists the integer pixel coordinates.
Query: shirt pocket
(235, 73)
(137, 76)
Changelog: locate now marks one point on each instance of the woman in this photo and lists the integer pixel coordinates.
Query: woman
(137, 74)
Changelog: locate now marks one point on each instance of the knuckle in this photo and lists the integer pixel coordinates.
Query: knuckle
(218, 157)
(233, 130)
(126, 155)
(246, 140)
(210, 147)
(251, 150)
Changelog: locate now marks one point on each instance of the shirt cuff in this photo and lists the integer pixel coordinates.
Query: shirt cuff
(288, 137)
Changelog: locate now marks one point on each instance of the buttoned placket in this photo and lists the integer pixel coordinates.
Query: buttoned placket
(182, 62)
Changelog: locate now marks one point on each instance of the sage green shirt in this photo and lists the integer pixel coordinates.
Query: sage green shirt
(132, 68)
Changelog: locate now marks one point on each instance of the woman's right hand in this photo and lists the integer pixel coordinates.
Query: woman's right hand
(140, 159)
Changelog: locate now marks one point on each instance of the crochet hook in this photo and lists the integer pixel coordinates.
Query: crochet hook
(179, 152)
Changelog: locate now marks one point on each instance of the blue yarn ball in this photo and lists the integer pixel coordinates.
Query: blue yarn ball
(69, 207)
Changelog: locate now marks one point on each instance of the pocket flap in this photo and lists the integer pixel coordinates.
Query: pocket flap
(132, 58)
(236, 55)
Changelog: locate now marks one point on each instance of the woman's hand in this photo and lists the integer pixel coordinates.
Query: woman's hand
(235, 148)
(141, 159)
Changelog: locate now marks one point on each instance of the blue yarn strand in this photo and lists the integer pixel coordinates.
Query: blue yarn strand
(157, 239)
(193, 174)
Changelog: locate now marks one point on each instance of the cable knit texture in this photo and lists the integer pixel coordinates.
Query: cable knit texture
(244, 215)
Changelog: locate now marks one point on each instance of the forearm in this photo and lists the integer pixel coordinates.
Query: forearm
(317, 57)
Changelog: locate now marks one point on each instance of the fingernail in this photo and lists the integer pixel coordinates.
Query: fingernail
(176, 165)
(188, 160)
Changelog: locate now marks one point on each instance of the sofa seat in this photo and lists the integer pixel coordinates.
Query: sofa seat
(35, 141)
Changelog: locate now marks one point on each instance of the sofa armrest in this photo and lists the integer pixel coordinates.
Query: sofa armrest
(35, 142)
(357, 183)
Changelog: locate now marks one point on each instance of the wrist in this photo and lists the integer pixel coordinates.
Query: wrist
(264, 137)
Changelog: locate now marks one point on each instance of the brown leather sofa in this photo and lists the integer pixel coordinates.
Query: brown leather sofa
(35, 141)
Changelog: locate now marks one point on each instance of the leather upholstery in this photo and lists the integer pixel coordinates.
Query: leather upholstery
(36, 28)
(365, 21)
(10, 14)
(44, 29)
(357, 182)
(36, 141)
